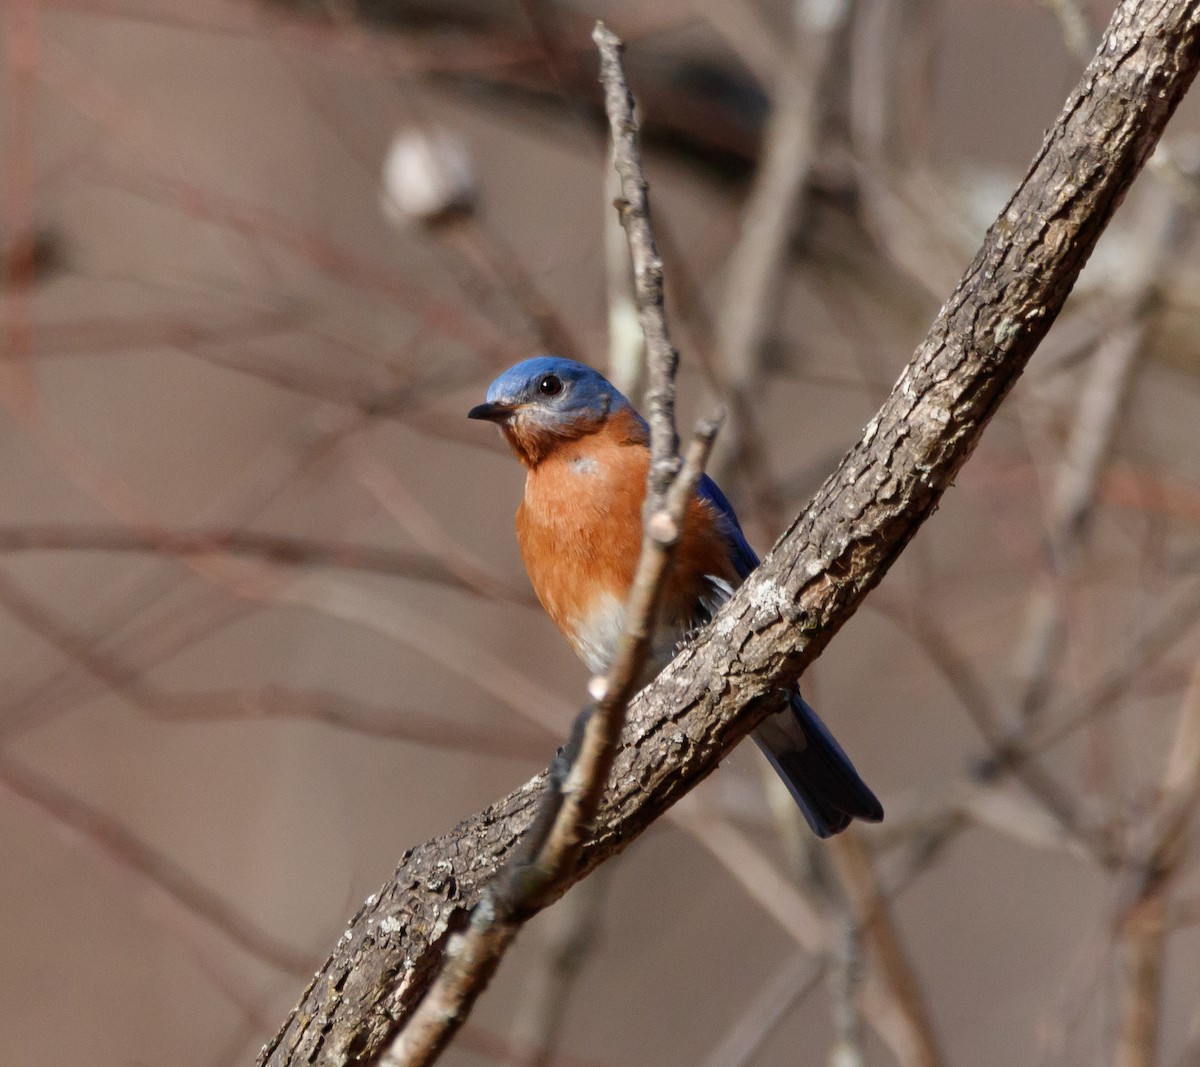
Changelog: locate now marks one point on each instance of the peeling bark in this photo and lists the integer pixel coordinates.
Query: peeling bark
(722, 684)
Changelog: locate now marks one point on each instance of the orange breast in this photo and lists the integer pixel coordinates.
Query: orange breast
(579, 527)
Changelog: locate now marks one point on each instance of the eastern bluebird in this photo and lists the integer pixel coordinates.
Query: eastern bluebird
(586, 451)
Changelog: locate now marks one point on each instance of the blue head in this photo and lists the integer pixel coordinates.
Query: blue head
(542, 402)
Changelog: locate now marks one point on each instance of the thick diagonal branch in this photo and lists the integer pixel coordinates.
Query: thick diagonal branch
(726, 681)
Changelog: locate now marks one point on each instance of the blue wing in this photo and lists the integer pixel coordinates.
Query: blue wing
(819, 775)
(744, 559)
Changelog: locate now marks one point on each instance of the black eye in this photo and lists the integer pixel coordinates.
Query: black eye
(551, 385)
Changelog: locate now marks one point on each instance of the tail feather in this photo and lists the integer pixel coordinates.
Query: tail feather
(819, 775)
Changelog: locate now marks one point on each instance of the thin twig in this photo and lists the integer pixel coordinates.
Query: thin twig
(552, 979)
(763, 506)
(976, 700)
(749, 34)
(1170, 623)
(336, 710)
(770, 1006)
(917, 1043)
(1078, 33)
(280, 549)
(848, 993)
(760, 879)
(1144, 925)
(1097, 420)
(634, 208)
(774, 204)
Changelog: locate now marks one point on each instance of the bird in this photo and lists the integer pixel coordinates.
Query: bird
(585, 450)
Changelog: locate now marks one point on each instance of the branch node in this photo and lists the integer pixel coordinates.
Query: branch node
(663, 528)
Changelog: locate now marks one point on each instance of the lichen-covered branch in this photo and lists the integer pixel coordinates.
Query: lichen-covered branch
(727, 680)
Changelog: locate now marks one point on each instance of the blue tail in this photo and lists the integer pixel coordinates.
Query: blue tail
(819, 775)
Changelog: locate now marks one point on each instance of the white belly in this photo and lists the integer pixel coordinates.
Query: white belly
(597, 634)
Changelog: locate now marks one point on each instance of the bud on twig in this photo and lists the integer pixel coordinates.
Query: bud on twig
(427, 177)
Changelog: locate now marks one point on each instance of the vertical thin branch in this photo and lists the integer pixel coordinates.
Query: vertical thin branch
(1097, 420)
(1095, 425)
(845, 982)
(789, 150)
(1079, 35)
(553, 978)
(749, 34)
(634, 206)
(757, 264)
(1143, 928)
(1143, 939)
(870, 909)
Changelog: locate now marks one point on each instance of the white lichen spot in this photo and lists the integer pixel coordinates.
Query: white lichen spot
(1005, 331)
(771, 598)
(390, 925)
(725, 625)
(371, 900)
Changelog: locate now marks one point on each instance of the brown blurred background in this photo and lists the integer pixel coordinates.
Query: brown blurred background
(264, 622)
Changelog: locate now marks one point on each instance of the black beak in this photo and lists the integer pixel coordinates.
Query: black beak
(491, 412)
